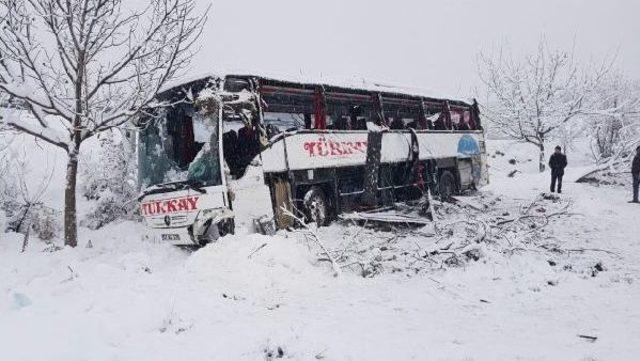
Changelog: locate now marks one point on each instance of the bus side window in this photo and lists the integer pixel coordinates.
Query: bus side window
(396, 123)
(402, 112)
(358, 122)
(431, 114)
(465, 124)
(348, 113)
(287, 109)
(284, 121)
(468, 120)
(456, 120)
(439, 123)
(341, 123)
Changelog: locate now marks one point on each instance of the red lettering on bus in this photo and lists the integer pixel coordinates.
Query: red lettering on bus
(182, 205)
(169, 206)
(323, 148)
(193, 202)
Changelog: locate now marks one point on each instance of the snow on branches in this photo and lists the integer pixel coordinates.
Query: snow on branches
(83, 67)
(530, 100)
(615, 128)
(93, 64)
(109, 180)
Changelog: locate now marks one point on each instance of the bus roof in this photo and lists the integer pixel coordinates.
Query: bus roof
(196, 83)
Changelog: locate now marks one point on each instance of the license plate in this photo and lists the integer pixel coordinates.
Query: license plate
(170, 237)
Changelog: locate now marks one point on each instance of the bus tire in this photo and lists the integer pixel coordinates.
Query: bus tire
(317, 207)
(216, 231)
(446, 186)
(211, 235)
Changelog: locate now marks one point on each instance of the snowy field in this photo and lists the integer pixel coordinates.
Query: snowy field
(239, 299)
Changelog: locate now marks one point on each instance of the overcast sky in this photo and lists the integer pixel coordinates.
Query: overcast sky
(423, 44)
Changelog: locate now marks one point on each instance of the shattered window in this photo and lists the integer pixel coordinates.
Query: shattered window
(180, 145)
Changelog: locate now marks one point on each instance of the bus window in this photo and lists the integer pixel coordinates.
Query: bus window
(342, 123)
(284, 121)
(467, 120)
(402, 113)
(465, 123)
(348, 112)
(287, 108)
(456, 119)
(395, 123)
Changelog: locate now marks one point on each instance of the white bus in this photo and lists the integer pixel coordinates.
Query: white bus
(325, 149)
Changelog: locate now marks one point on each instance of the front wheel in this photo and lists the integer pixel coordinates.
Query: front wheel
(217, 230)
(317, 207)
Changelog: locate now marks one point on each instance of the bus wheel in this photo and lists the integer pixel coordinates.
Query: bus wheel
(316, 206)
(217, 230)
(446, 185)
(211, 234)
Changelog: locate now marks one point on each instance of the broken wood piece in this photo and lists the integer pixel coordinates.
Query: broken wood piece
(256, 250)
(588, 337)
(469, 201)
(388, 217)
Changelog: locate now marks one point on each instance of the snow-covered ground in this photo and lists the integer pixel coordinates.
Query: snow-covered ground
(239, 299)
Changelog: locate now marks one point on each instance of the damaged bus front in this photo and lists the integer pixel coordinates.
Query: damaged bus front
(184, 195)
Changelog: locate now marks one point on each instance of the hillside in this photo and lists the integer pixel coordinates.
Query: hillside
(250, 296)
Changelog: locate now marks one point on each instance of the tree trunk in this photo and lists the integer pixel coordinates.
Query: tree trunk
(70, 223)
(542, 157)
(70, 217)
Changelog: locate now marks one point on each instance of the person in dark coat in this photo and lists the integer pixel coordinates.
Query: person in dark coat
(557, 163)
(635, 172)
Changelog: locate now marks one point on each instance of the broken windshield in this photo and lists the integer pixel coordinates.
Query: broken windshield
(180, 145)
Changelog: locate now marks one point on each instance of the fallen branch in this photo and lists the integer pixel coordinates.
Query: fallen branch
(256, 250)
(589, 338)
(593, 250)
(314, 236)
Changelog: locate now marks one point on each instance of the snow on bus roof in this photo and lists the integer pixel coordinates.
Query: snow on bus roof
(188, 79)
(354, 83)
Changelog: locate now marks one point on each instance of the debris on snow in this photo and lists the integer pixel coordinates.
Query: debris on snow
(588, 338)
(469, 231)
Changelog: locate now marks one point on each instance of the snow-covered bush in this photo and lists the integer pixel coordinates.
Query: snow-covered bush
(108, 179)
(7, 181)
(36, 218)
(20, 207)
(615, 131)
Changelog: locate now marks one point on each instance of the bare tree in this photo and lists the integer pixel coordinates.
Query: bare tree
(530, 100)
(85, 66)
